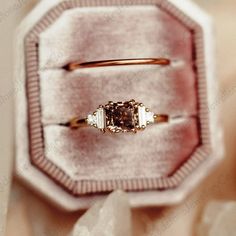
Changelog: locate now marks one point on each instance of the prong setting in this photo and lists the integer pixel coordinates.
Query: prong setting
(121, 117)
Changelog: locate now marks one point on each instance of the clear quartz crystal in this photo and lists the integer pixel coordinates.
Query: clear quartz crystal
(219, 219)
(109, 218)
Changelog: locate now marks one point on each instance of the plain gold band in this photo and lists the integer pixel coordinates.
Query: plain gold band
(160, 118)
(122, 62)
(76, 123)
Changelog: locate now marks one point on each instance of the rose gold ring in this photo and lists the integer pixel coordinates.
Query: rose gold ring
(122, 62)
(119, 117)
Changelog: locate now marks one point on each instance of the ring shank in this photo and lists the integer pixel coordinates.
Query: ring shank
(77, 123)
(122, 62)
(160, 118)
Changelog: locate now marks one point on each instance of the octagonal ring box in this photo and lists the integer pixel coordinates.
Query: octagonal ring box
(157, 167)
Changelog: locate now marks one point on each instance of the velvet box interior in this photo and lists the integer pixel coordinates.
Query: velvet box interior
(85, 161)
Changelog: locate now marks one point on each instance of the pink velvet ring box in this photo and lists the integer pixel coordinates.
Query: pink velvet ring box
(159, 166)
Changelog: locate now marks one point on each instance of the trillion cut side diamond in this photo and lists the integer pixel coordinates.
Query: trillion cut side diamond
(150, 117)
(97, 119)
(92, 119)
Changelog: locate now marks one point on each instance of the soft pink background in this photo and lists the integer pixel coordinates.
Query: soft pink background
(31, 215)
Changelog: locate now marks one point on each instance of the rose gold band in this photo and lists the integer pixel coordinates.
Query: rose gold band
(122, 62)
(160, 118)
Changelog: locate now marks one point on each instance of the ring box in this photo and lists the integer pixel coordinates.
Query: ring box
(157, 167)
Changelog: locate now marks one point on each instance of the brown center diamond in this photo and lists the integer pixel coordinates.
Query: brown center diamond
(122, 117)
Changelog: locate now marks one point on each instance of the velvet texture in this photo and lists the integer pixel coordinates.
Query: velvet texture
(113, 33)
